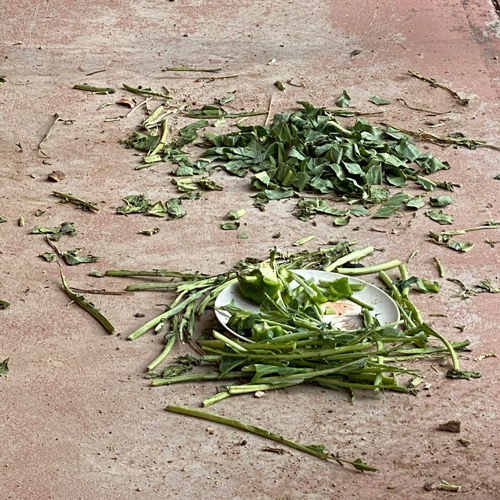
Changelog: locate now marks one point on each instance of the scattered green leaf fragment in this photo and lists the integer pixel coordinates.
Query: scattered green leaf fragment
(2, 219)
(225, 100)
(2, 80)
(497, 177)
(279, 85)
(439, 216)
(446, 486)
(4, 304)
(20, 222)
(461, 246)
(49, 256)
(55, 233)
(344, 100)
(359, 211)
(379, 101)
(150, 232)
(441, 201)
(72, 259)
(303, 241)
(415, 202)
(208, 184)
(341, 221)
(236, 214)
(174, 208)
(462, 374)
(488, 286)
(394, 203)
(4, 367)
(242, 236)
(422, 285)
(39, 213)
(315, 450)
(276, 235)
(95, 90)
(230, 226)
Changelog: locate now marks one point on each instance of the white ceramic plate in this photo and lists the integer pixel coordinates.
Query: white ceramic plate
(347, 315)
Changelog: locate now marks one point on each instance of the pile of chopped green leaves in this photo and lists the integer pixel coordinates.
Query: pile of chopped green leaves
(309, 150)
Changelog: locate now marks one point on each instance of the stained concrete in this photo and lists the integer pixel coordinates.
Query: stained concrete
(78, 418)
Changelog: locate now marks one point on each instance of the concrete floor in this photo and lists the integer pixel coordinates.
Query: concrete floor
(78, 420)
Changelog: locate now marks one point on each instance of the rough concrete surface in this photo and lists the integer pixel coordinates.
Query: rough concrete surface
(78, 419)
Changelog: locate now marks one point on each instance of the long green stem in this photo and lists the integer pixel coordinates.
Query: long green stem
(357, 464)
(350, 257)
(166, 350)
(356, 271)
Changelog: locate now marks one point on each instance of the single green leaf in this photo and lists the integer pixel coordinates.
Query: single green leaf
(242, 236)
(71, 257)
(461, 246)
(279, 85)
(236, 214)
(427, 184)
(230, 226)
(344, 100)
(174, 209)
(359, 211)
(441, 201)
(379, 101)
(415, 202)
(462, 374)
(208, 184)
(395, 202)
(341, 221)
(4, 367)
(439, 216)
(49, 256)
(225, 100)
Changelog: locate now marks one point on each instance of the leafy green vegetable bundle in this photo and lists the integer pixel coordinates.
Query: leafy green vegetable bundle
(289, 342)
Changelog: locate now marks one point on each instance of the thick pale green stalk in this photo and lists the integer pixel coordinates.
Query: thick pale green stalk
(356, 255)
(358, 464)
(356, 271)
(215, 399)
(163, 355)
(229, 342)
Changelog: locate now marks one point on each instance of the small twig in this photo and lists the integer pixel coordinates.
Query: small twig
(222, 77)
(268, 116)
(187, 68)
(149, 92)
(89, 205)
(462, 100)
(95, 72)
(99, 292)
(57, 118)
(400, 99)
